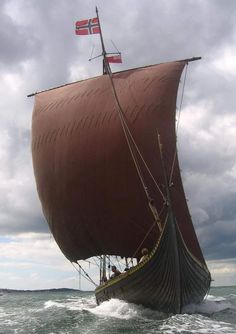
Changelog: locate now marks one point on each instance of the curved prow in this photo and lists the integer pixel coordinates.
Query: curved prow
(173, 232)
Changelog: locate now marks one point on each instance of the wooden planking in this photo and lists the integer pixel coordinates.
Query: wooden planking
(154, 284)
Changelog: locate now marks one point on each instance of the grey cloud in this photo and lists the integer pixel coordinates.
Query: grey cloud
(11, 225)
(215, 87)
(206, 156)
(163, 31)
(17, 44)
(218, 239)
(19, 206)
(212, 206)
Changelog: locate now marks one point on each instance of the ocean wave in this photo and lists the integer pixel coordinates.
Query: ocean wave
(210, 305)
(69, 314)
(51, 303)
(197, 324)
(75, 304)
(123, 310)
(179, 323)
(2, 313)
(120, 309)
(115, 308)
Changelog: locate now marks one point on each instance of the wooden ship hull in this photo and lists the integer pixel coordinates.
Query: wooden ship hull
(169, 279)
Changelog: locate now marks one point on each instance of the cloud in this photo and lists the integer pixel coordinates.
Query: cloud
(223, 272)
(17, 44)
(207, 154)
(20, 208)
(33, 261)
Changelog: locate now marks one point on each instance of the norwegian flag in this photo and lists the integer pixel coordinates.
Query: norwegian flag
(114, 59)
(87, 27)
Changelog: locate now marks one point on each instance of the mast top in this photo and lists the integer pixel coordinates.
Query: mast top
(106, 65)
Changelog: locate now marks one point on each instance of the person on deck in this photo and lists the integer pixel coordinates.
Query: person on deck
(144, 254)
(115, 271)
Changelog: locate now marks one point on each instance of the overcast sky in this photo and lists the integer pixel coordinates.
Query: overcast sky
(40, 50)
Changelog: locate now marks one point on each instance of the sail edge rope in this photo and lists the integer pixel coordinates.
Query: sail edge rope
(177, 126)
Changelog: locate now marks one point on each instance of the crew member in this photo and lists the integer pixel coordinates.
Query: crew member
(144, 254)
(115, 271)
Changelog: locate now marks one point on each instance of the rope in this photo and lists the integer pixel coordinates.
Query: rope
(177, 126)
(92, 51)
(86, 276)
(112, 263)
(129, 136)
(95, 264)
(118, 262)
(78, 271)
(145, 237)
(144, 162)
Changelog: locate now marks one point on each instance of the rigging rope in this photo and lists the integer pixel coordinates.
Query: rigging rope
(144, 162)
(89, 262)
(177, 125)
(112, 263)
(86, 276)
(129, 137)
(145, 237)
(118, 262)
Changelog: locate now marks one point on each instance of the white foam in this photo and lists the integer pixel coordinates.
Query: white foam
(180, 323)
(209, 306)
(2, 313)
(71, 304)
(120, 309)
(51, 303)
(196, 324)
(215, 298)
(81, 304)
(115, 308)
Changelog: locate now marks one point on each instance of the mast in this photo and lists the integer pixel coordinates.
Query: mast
(106, 70)
(106, 66)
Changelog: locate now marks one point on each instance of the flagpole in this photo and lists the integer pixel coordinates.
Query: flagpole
(106, 66)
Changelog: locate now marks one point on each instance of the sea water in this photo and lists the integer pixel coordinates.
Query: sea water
(76, 312)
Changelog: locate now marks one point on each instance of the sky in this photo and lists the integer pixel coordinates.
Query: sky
(39, 50)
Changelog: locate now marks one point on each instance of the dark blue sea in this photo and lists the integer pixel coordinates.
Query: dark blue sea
(68, 312)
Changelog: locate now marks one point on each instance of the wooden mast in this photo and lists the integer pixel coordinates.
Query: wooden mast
(106, 66)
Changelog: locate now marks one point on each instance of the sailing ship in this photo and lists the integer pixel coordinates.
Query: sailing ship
(108, 177)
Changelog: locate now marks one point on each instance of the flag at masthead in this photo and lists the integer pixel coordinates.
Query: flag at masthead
(93, 26)
(87, 27)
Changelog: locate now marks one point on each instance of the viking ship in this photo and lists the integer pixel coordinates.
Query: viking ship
(108, 177)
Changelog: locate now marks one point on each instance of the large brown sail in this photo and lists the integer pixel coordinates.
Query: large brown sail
(90, 191)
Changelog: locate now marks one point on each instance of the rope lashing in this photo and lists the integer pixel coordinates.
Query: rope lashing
(155, 213)
(85, 275)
